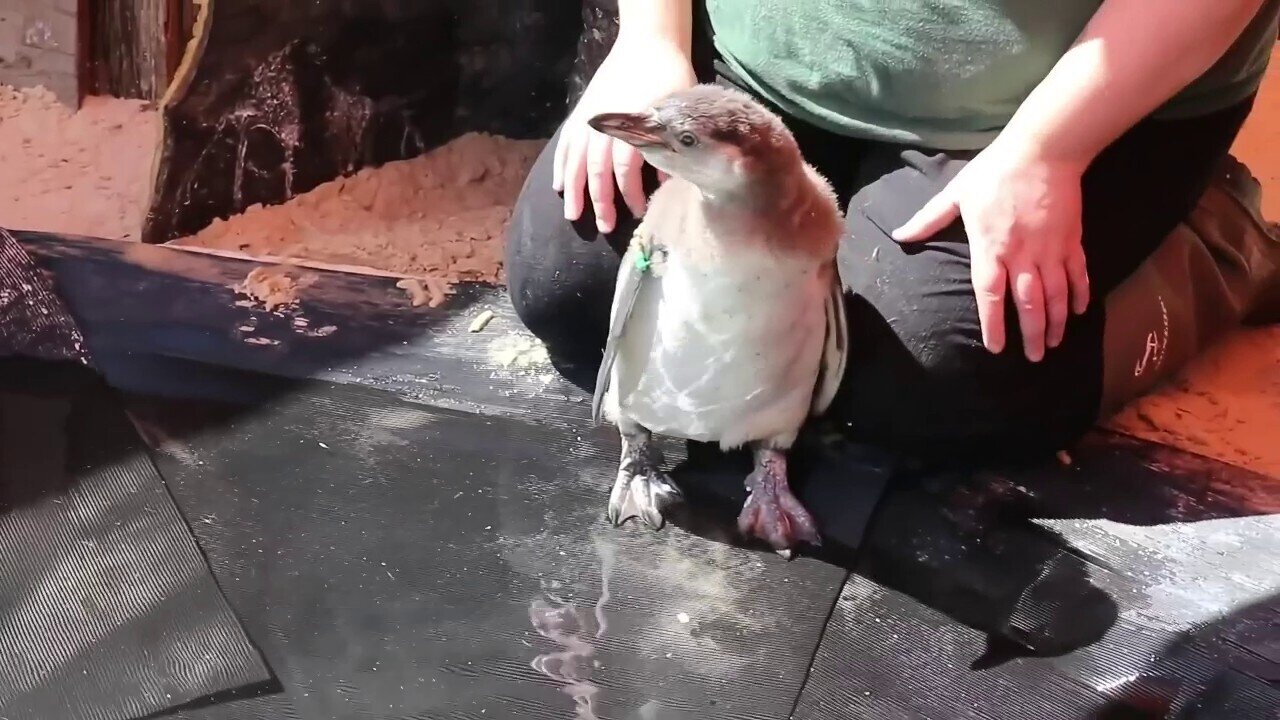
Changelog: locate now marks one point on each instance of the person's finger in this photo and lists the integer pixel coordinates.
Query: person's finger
(936, 214)
(1078, 279)
(557, 163)
(600, 181)
(1056, 303)
(627, 163)
(575, 171)
(663, 177)
(989, 283)
(1028, 296)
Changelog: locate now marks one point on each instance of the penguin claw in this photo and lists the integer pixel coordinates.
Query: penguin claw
(644, 495)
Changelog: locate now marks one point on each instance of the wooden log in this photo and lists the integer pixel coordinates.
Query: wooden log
(128, 46)
(179, 21)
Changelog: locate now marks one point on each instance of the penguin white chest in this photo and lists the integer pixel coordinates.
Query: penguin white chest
(724, 352)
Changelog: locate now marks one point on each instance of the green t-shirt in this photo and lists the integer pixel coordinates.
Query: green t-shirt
(946, 74)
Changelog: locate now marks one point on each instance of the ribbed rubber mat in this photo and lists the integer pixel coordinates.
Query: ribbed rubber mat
(399, 561)
(33, 322)
(108, 610)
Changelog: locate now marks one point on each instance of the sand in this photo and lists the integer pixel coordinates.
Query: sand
(272, 287)
(78, 173)
(432, 292)
(440, 218)
(1226, 405)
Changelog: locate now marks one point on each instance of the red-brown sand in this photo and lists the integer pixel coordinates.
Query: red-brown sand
(440, 217)
(78, 173)
(1226, 405)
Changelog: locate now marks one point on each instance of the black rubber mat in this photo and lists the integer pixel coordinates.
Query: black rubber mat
(401, 561)
(108, 609)
(167, 321)
(1141, 582)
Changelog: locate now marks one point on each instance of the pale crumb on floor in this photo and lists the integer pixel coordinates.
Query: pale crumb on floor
(481, 321)
(518, 351)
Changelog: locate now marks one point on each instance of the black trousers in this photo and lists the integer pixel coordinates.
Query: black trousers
(919, 380)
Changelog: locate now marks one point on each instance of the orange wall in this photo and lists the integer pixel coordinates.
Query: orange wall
(1259, 143)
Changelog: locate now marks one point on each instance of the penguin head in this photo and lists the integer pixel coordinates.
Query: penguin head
(717, 138)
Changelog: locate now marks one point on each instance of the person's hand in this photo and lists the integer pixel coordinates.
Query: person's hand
(1022, 213)
(637, 71)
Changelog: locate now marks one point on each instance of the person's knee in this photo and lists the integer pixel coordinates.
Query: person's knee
(533, 224)
(560, 274)
(553, 309)
(537, 284)
(920, 378)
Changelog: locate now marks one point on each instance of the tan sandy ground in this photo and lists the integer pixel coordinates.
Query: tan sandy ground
(78, 173)
(1225, 406)
(442, 215)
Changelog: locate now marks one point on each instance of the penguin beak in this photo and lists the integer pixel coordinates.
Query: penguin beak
(637, 129)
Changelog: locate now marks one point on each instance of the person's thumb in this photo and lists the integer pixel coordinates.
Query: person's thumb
(936, 214)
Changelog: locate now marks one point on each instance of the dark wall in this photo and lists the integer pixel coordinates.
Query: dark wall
(599, 30)
(289, 95)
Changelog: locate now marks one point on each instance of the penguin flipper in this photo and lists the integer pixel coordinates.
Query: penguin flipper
(631, 277)
(835, 351)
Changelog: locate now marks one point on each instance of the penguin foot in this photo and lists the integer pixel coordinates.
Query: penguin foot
(641, 490)
(645, 495)
(772, 513)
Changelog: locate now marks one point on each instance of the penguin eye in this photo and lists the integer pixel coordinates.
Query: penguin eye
(687, 139)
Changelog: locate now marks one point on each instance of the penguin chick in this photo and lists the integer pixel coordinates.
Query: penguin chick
(728, 321)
